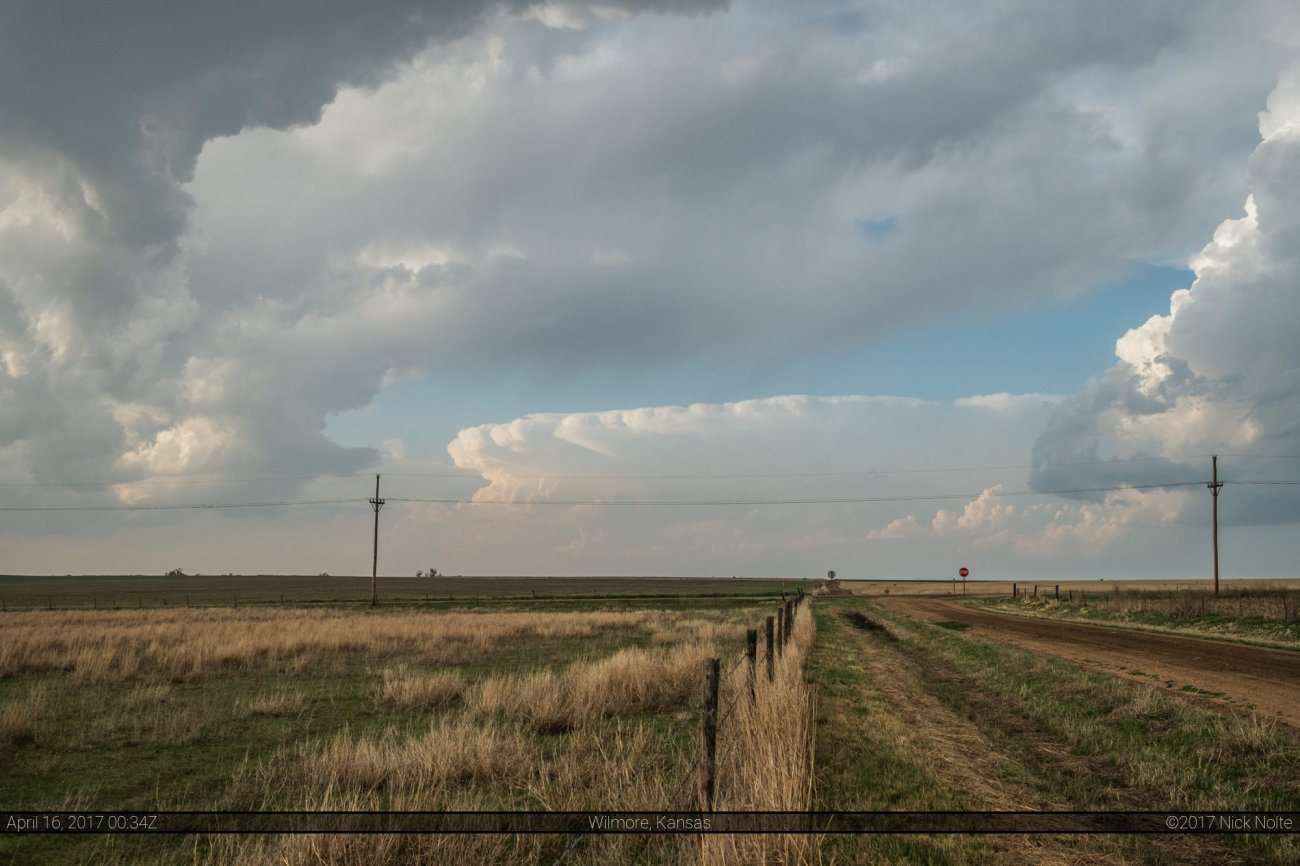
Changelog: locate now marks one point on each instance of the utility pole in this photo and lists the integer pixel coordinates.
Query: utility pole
(376, 504)
(1214, 486)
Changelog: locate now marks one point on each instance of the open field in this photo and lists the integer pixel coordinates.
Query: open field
(1267, 615)
(917, 715)
(1262, 678)
(330, 708)
(135, 591)
(981, 588)
(890, 702)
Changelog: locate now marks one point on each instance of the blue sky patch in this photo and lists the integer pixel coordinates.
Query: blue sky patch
(877, 228)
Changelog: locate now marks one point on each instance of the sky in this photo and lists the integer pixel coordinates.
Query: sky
(645, 287)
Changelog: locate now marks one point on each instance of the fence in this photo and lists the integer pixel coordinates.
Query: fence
(1281, 605)
(752, 748)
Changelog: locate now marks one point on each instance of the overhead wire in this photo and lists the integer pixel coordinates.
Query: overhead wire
(626, 503)
(844, 500)
(476, 475)
(181, 506)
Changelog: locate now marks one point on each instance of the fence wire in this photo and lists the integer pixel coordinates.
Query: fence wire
(683, 785)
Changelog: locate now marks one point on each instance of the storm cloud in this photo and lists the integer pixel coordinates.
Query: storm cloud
(220, 226)
(1220, 373)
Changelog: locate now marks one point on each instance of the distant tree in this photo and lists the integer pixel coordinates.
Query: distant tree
(830, 575)
(433, 572)
(175, 572)
(419, 573)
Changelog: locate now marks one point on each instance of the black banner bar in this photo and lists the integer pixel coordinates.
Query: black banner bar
(87, 822)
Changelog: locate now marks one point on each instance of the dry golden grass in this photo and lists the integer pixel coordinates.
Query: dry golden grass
(1281, 605)
(406, 687)
(631, 680)
(148, 695)
(616, 733)
(18, 718)
(116, 646)
(450, 752)
(456, 764)
(276, 702)
(604, 733)
(765, 754)
(1048, 584)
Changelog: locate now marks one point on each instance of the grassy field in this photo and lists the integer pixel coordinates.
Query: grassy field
(110, 592)
(314, 708)
(1264, 615)
(575, 702)
(918, 716)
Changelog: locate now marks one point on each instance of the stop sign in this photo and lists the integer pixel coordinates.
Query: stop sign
(964, 572)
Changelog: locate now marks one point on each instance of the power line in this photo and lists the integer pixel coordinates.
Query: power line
(175, 482)
(179, 507)
(848, 500)
(475, 475)
(845, 500)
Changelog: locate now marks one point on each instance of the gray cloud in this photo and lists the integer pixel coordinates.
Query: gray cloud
(1221, 372)
(208, 246)
(104, 112)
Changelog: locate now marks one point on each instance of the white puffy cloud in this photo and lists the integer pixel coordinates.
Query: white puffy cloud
(1221, 372)
(898, 528)
(849, 447)
(245, 223)
(1039, 529)
(215, 234)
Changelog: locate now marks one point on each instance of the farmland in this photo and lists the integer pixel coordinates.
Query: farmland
(410, 707)
(111, 592)
(582, 694)
(922, 715)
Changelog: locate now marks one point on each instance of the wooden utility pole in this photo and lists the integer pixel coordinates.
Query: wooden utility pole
(376, 504)
(1214, 486)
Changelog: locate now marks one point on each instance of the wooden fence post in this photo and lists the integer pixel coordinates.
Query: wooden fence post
(708, 735)
(770, 627)
(751, 653)
(1058, 592)
(789, 621)
(780, 633)
(1015, 591)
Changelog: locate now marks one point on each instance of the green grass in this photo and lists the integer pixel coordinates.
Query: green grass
(1171, 613)
(861, 763)
(186, 742)
(108, 592)
(1103, 742)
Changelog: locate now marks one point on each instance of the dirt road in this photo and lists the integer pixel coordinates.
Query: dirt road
(1244, 676)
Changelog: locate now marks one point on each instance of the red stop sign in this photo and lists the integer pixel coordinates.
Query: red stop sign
(964, 572)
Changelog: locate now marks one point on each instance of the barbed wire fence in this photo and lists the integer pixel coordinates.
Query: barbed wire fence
(710, 720)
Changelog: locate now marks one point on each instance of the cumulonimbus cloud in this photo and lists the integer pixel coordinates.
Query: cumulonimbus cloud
(1220, 373)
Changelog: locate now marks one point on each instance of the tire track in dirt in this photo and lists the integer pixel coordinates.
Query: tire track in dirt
(1234, 674)
(962, 756)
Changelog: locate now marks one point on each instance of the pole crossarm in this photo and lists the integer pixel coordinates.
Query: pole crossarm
(1215, 486)
(376, 503)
